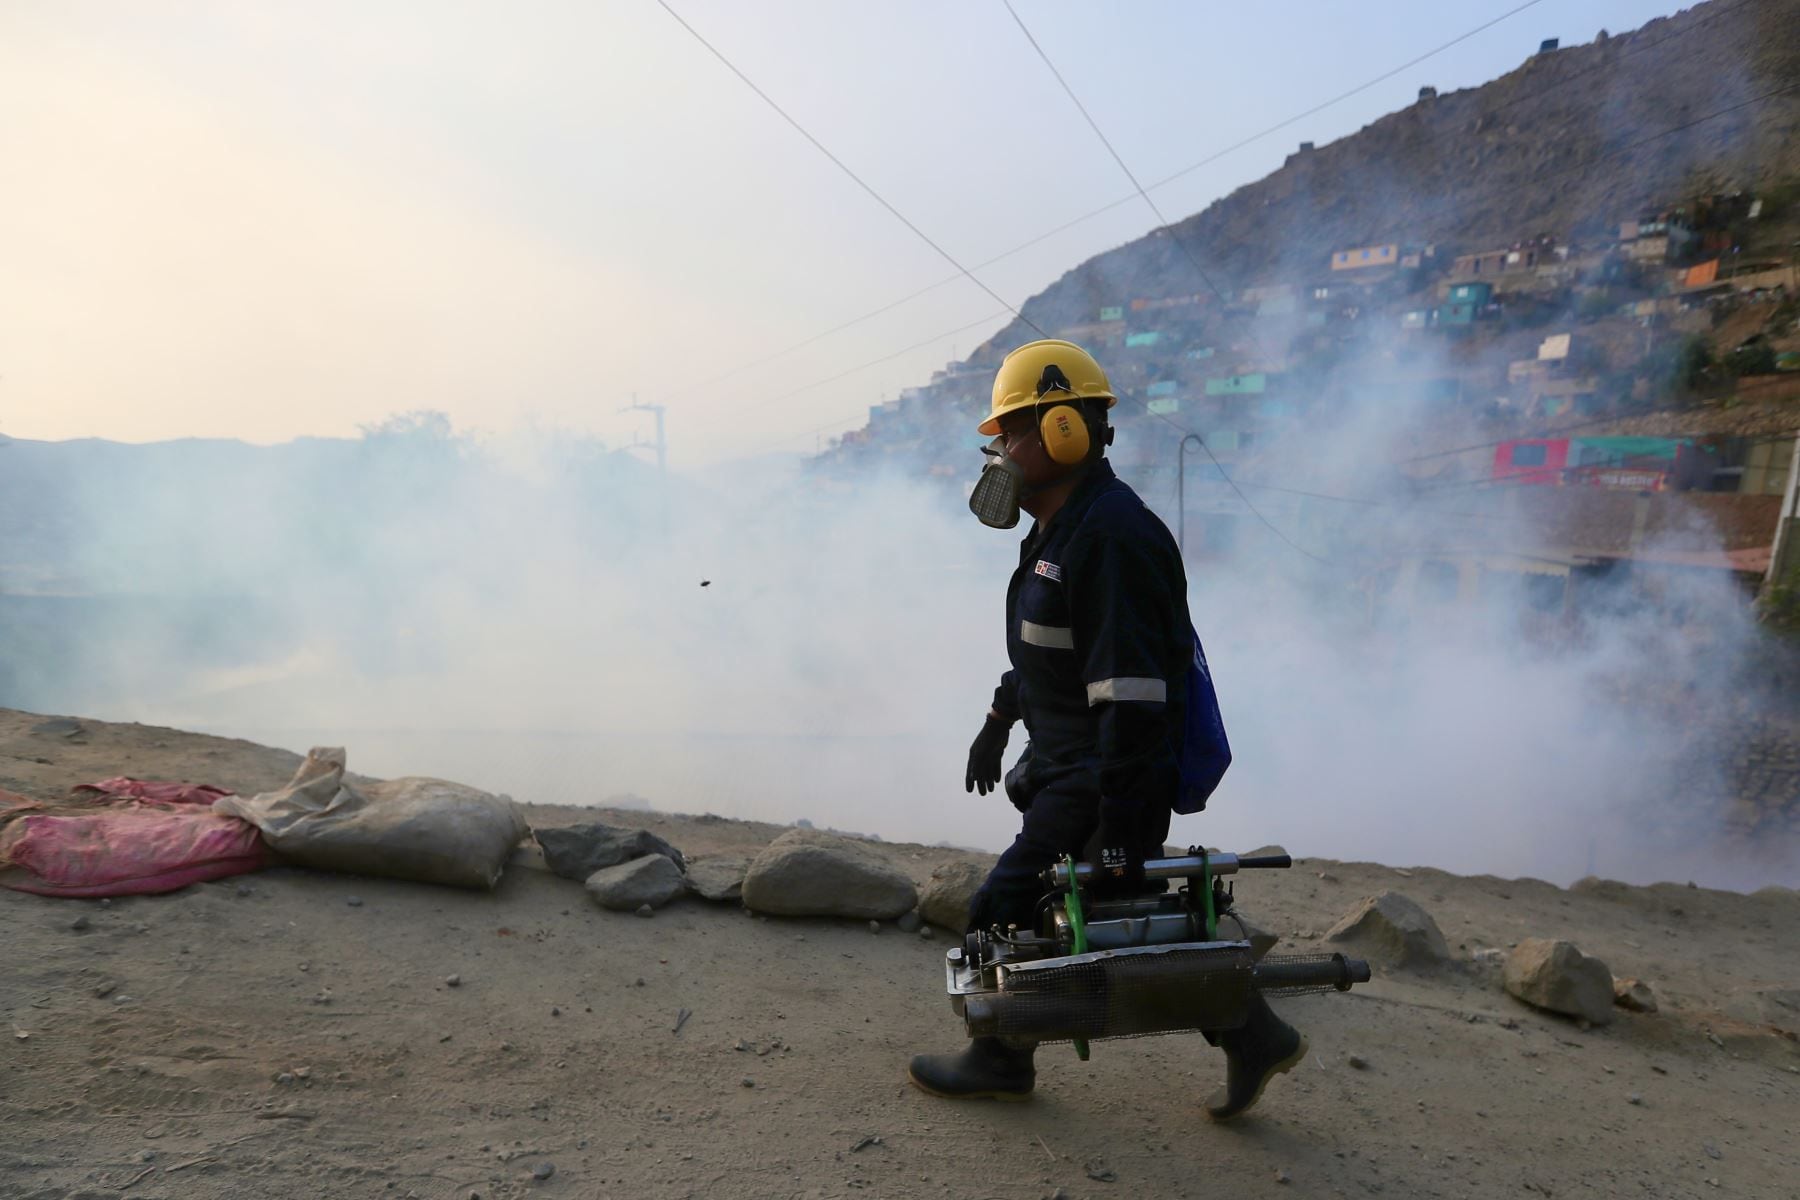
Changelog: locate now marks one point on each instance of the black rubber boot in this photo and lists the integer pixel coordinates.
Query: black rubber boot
(1265, 1047)
(990, 1069)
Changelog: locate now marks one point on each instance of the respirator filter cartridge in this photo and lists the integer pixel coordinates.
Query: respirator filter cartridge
(995, 500)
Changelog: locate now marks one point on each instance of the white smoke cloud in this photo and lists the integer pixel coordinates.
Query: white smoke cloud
(527, 614)
(525, 611)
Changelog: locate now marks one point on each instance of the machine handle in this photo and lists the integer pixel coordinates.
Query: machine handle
(1183, 867)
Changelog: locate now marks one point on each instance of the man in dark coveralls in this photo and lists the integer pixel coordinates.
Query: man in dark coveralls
(1098, 635)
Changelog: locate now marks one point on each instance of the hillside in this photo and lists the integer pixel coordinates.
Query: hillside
(1640, 192)
(1562, 144)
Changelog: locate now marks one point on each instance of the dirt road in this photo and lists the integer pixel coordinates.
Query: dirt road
(294, 1034)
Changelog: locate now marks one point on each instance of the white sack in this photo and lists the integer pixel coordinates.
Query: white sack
(429, 830)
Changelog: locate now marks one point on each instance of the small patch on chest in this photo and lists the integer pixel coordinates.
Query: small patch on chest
(1048, 570)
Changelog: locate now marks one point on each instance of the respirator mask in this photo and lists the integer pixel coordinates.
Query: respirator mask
(995, 500)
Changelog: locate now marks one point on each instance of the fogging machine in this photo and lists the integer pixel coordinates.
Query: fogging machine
(1150, 964)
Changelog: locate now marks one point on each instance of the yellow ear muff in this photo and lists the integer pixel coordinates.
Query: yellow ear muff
(1065, 434)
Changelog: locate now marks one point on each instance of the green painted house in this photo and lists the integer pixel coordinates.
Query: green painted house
(1464, 301)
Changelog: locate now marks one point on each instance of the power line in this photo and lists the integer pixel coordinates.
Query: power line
(1201, 271)
(807, 387)
(1162, 221)
(1629, 146)
(1318, 108)
(1186, 253)
(1720, 10)
(690, 388)
(1537, 94)
(901, 217)
(1110, 205)
(854, 177)
(1579, 167)
(685, 389)
(1218, 154)
(1671, 132)
(1139, 191)
(1373, 503)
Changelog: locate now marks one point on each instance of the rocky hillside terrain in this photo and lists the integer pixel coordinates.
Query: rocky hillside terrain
(1240, 322)
(1570, 142)
(292, 1032)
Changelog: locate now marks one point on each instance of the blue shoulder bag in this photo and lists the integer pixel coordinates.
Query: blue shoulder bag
(1204, 751)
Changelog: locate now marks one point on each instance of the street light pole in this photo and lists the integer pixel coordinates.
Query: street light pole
(1181, 490)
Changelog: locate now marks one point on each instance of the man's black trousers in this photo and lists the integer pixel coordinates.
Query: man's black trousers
(1062, 814)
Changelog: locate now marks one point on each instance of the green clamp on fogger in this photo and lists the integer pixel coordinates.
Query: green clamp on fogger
(1147, 964)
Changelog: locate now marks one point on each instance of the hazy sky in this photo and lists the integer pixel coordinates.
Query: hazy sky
(265, 220)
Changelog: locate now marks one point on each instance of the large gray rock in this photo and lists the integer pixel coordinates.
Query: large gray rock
(652, 880)
(1392, 930)
(806, 873)
(1554, 975)
(945, 900)
(577, 851)
(717, 878)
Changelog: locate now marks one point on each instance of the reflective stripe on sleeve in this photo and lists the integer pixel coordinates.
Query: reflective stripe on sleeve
(1056, 637)
(1128, 687)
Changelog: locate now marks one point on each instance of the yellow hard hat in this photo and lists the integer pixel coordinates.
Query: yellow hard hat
(1044, 372)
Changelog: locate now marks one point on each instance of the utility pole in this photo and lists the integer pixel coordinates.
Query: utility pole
(1782, 551)
(1181, 492)
(661, 444)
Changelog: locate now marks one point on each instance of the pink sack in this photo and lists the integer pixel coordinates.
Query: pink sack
(122, 847)
(145, 789)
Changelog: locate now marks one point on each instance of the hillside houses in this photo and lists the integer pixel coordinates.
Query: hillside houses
(1510, 268)
(1498, 344)
(1364, 257)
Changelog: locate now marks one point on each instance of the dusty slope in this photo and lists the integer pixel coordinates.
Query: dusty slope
(1568, 143)
(558, 1044)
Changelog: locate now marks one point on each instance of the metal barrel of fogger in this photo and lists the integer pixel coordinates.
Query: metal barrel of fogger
(1147, 990)
(1182, 867)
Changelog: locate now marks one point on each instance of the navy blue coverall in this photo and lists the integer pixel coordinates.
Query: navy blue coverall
(1098, 635)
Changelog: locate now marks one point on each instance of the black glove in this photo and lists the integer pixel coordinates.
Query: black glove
(985, 755)
(1120, 871)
